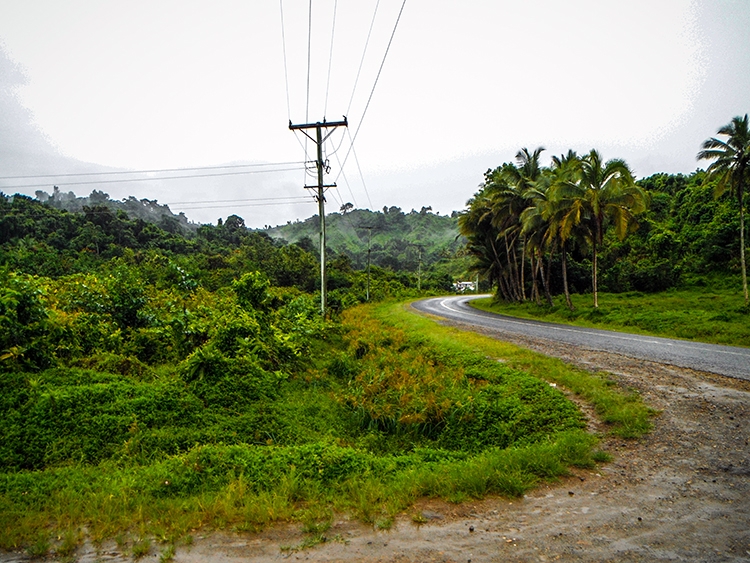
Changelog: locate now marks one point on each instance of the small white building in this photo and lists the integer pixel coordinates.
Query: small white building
(464, 286)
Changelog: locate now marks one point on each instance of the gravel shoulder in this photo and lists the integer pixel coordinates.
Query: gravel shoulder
(682, 493)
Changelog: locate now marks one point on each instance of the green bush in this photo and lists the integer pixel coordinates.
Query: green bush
(26, 336)
(523, 411)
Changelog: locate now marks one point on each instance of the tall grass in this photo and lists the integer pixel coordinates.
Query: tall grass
(622, 409)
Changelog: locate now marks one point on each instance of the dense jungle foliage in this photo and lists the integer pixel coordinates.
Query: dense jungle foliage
(532, 229)
(152, 383)
(396, 240)
(148, 210)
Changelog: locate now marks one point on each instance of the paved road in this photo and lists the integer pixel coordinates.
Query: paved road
(724, 360)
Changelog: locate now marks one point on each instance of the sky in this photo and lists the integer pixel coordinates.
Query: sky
(435, 93)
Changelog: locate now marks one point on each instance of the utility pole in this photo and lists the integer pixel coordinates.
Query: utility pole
(320, 164)
(419, 271)
(369, 246)
(420, 247)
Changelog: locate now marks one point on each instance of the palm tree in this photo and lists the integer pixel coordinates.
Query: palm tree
(565, 168)
(509, 202)
(476, 225)
(732, 168)
(492, 223)
(538, 231)
(602, 192)
(506, 203)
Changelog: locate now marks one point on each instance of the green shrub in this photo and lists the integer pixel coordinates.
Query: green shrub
(26, 336)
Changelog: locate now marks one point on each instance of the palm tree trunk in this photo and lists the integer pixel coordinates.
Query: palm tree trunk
(513, 262)
(503, 285)
(547, 294)
(508, 288)
(535, 285)
(523, 268)
(499, 265)
(742, 248)
(513, 279)
(521, 295)
(565, 275)
(593, 275)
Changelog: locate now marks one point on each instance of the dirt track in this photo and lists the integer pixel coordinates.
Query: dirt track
(680, 494)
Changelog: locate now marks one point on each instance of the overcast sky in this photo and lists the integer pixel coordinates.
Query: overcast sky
(140, 85)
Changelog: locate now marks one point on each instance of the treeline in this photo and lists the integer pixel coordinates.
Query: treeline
(584, 224)
(42, 241)
(146, 209)
(396, 240)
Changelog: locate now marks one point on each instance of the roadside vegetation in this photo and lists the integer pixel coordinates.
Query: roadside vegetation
(153, 384)
(692, 313)
(583, 225)
(387, 408)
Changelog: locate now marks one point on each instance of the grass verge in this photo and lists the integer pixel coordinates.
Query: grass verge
(716, 316)
(623, 410)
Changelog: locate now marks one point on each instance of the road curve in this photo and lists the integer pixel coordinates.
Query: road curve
(724, 360)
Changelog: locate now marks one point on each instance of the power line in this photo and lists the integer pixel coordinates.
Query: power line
(346, 181)
(151, 171)
(125, 180)
(362, 60)
(377, 77)
(361, 176)
(260, 202)
(238, 200)
(335, 196)
(268, 204)
(309, 41)
(382, 63)
(341, 142)
(330, 57)
(283, 48)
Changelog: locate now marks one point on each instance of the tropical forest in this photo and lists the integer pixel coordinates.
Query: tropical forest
(160, 378)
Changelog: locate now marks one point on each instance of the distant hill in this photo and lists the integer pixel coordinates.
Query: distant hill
(147, 210)
(396, 237)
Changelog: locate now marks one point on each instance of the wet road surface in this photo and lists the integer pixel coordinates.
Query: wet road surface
(724, 360)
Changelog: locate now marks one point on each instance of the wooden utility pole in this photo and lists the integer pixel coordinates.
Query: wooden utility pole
(419, 271)
(320, 164)
(369, 246)
(420, 247)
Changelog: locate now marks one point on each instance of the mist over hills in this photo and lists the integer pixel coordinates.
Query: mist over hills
(396, 239)
(149, 211)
